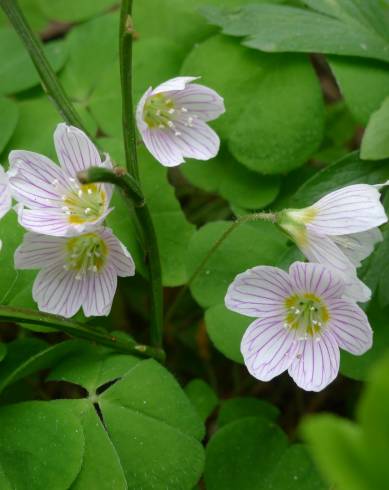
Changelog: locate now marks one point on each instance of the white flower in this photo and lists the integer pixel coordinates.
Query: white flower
(172, 121)
(303, 320)
(5, 193)
(76, 271)
(339, 231)
(51, 199)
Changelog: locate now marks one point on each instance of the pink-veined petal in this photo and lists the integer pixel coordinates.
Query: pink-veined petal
(162, 145)
(268, 348)
(142, 126)
(178, 83)
(351, 209)
(358, 246)
(350, 326)
(258, 292)
(316, 363)
(197, 141)
(34, 180)
(119, 258)
(5, 193)
(316, 279)
(100, 290)
(44, 221)
(57, 291)
(202, 101)
(38, 251)
(75, 150)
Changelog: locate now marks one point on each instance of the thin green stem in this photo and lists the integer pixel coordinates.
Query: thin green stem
(272, 217)
(129, 136)
(125, 53)
(79, 330)
(51, 84)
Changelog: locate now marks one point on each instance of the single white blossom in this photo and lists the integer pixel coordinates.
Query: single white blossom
(303, 319)
(172, 121)
(76, 272)
(51, 200)
(339, 231)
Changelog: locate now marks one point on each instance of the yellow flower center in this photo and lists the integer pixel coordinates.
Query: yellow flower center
(307, 314)
(159, 111)
(84, 203)
(85, 253)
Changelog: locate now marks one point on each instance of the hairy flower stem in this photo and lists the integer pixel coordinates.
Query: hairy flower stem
(79, 330)
(129, 137)
(272, 217)
(50, 83)
(65, 107)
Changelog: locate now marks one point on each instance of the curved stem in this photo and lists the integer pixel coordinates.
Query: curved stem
(79, 330)
(50, 83)
(272, 217)
(129, 136)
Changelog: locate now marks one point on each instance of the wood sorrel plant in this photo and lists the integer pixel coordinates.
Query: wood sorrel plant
(95, 244)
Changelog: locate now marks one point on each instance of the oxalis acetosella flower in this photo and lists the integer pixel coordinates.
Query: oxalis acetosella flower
(339, 231)
(51, 200)
(5, 195)
(303, 319)
(79, 271)
(172, 120)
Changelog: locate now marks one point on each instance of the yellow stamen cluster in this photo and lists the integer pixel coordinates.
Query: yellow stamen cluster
(86, 253)
(307, 314)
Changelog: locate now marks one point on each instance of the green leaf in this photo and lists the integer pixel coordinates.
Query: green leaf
(17, 368)
(9, 118)
(341, 31)
(101, 467)
(262, 244)
(226, 328)
(160, 423)
(41, 446)
(94, 368)
(3, 351)
(31, 10)
(353, 455)
(73, 10)
(364, 84)
(262, 95)
(17, 71)
(153, 430)
(375, 142)
(202, 396)
(349, 170)
(172, 229)
(242, 454)
(239, 408)
(226, 176)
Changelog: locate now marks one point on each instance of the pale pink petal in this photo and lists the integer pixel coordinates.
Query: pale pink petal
(178, 83)
(5, 193)
(199, 100)
(197, 141)
(100, 290)
(358, 246)
(350, 326)
(34, 180)
(316, 362)
(119, 258)
(57, 291)
(268, 348)
(316, 279)
(38, 251)
(75, 150)
(45, 221)
(162, 145)
(351, 209)
(260, 291)
(142, 126)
